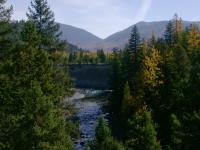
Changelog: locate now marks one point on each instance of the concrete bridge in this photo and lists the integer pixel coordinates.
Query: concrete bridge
(91, 76)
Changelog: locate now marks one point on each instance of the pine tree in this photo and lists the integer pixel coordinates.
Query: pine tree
(134, 45)
(153, 40)
(176, 71)
(194, 94)
(127, 97)
(169, 34)
(191, 123)
(176, 133)
(5, 13)
(117, 84)
(30, 116)
(116, 81)
(180, 77)
(130, 59)
(144, 48)
(142, 52)
(142, 134)
(103, 139)
(45, 24)
(101, 56)
(5, 29)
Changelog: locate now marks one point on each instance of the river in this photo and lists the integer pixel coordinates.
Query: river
(89, 108)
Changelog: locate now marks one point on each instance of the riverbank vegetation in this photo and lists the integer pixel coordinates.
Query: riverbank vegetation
(155, 101)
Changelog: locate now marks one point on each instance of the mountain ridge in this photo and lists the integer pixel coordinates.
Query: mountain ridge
(86, 40)
(78, 36)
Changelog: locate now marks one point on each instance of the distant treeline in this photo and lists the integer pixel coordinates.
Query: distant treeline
(84, 57)
(70, 53)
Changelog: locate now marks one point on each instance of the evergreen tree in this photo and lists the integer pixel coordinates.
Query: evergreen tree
(191, 124)
(127, 97)
(194, 94)
(103, 139)
(180, 78)
(176, 70)
(142, 134)
(169, 34)
(134, 45)
(101, 56)
(5, 29)
(153, 40)
(142, 52)
(70, 58)
(126, 109)
(45, 24)
(5, 13)
(176, 133)
(115, 101)
(30, 114)
(116, 82)
(131, 55)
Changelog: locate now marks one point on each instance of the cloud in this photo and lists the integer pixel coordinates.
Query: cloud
(104, 17)
(84, 4)
(196, 18)
(142, 13)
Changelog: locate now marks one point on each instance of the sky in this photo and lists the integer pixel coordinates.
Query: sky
(105, 17)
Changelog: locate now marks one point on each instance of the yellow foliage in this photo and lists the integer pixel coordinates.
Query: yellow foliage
(194, 39)
(151, 71)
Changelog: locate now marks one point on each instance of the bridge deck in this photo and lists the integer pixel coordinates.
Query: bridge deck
(91, 76)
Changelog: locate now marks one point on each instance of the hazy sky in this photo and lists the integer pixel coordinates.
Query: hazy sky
(104, 17)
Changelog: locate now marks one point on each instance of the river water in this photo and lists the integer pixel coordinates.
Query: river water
(88, 111)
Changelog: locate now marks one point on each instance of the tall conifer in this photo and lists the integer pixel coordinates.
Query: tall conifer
(5, 28)
(47, 29)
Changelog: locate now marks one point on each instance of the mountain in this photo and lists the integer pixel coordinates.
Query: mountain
(76, 36)
(86, 40)
(145, 29)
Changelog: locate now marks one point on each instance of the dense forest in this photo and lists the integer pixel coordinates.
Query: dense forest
(155, 100)
(154, 103)
(85, 57)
